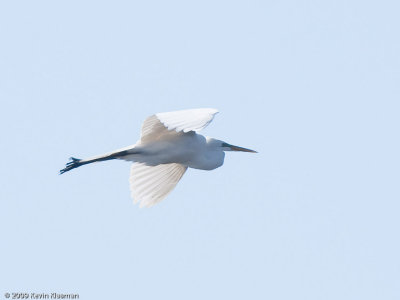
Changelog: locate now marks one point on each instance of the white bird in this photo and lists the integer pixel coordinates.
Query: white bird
(169, 144)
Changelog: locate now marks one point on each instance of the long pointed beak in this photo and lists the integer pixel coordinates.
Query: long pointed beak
(237, 148)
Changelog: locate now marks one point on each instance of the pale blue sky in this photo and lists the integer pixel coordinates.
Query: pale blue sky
(312, 85)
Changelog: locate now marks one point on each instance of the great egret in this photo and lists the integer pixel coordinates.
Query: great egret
(169, 144)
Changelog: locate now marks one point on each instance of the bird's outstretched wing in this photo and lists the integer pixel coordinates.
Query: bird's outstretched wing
(151, 184)
(159, 125)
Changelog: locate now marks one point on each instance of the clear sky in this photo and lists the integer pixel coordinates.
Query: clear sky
(312, 85)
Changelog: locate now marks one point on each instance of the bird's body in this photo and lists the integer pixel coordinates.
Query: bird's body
(168, 146)
(190, 149)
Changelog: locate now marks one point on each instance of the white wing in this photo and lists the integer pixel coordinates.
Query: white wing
(159, 125)
(187, 120)
(151, 184)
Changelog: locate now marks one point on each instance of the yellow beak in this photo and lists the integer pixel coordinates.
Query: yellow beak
(237, 148)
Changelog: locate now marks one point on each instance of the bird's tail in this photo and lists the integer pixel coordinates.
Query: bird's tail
(118, 154)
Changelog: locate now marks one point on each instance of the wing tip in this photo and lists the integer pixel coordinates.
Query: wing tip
(158, 188)
(187, 120)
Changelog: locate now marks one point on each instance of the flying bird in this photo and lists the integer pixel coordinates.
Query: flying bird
(169, 144)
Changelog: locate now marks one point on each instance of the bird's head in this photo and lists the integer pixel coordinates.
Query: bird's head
(218, 144)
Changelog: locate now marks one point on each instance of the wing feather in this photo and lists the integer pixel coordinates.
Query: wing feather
(151, 184)
(161, 125)
(187, 120)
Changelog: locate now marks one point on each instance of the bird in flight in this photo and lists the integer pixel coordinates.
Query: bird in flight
(169, 144)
